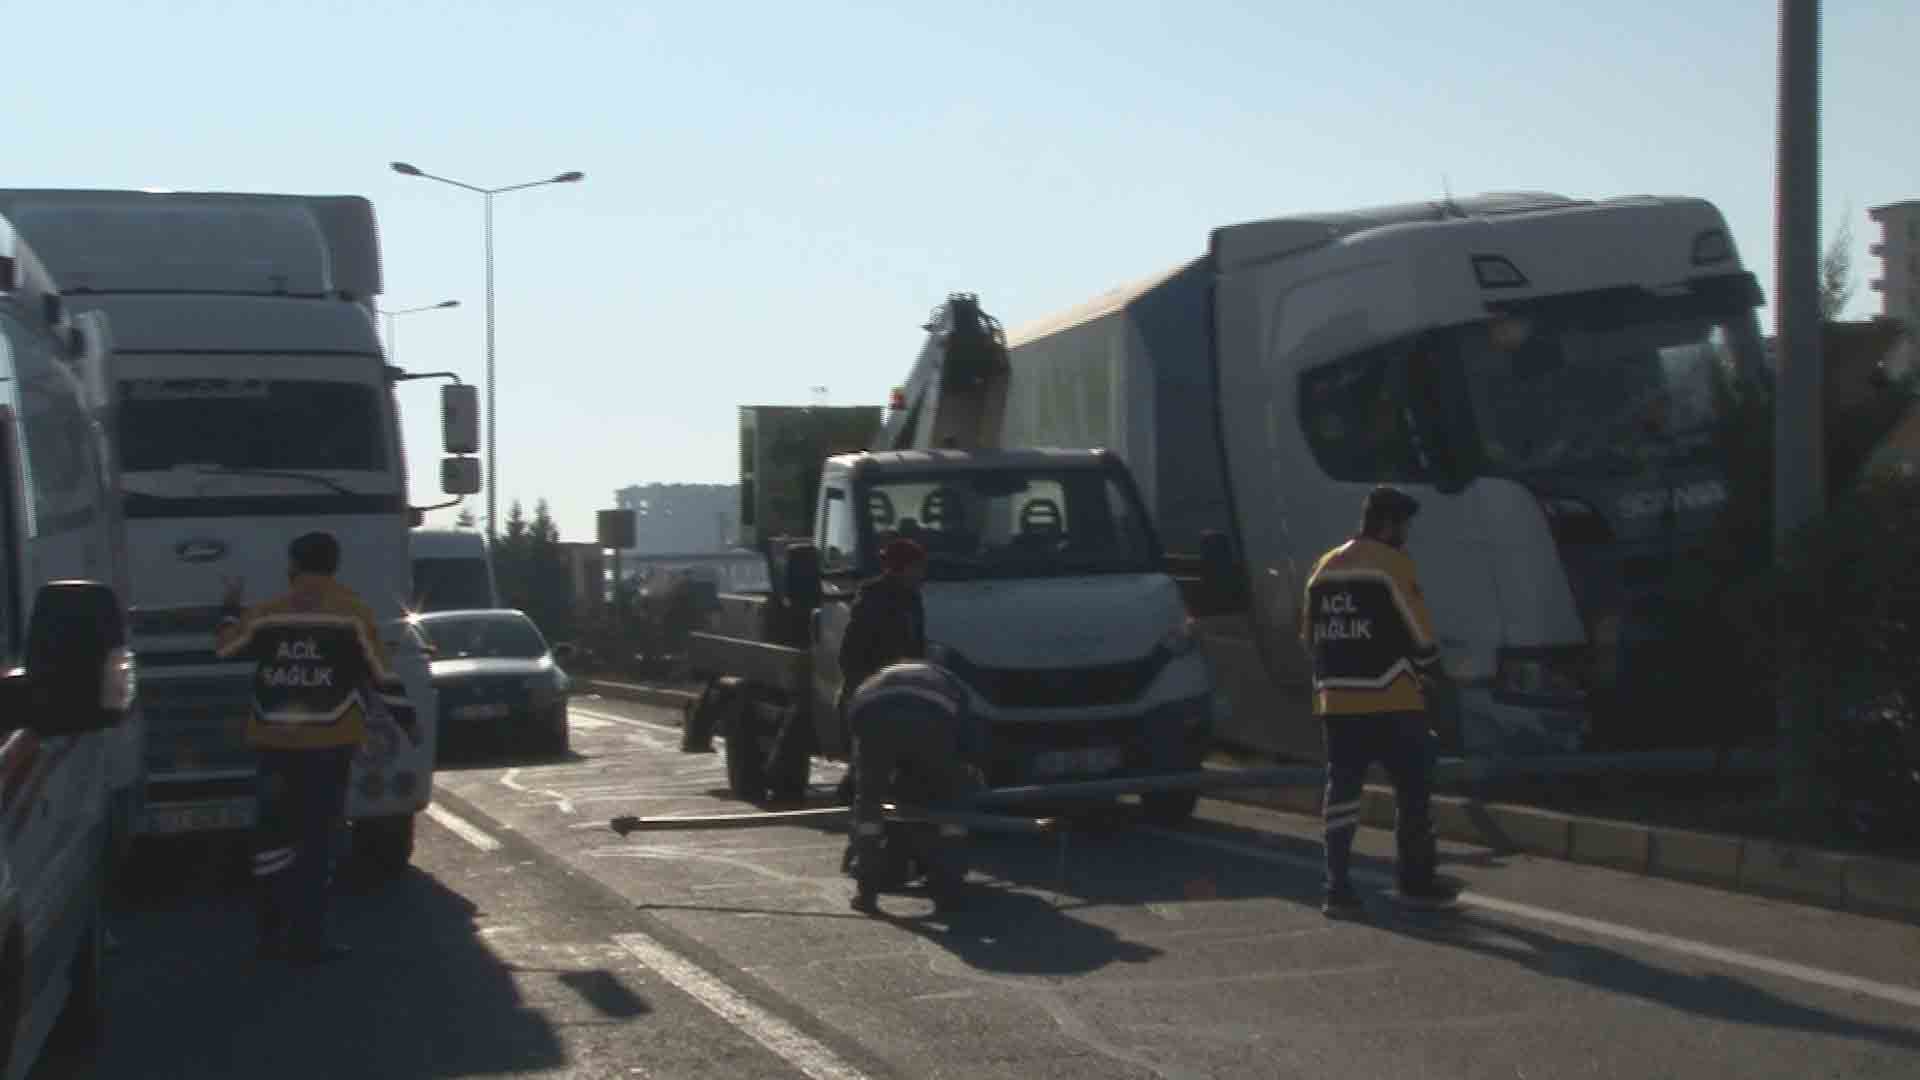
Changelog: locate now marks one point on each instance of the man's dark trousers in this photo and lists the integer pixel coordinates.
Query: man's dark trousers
(302, 797)
(1399, 741)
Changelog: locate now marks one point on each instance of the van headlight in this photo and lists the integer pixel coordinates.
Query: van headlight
(1180, 639)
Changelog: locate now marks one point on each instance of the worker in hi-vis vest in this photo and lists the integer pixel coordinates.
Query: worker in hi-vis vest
(1366, 626)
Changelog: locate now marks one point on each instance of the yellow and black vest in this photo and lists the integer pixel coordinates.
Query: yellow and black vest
(1366, 626)
(319, 668)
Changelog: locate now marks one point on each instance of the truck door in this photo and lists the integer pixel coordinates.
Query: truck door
(834, 535)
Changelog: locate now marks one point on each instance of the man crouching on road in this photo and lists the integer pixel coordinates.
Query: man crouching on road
(913, 741)
(319, 670)
(1366, 625)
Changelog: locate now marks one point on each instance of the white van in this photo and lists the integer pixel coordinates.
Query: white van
(452, 570)
(66, 677)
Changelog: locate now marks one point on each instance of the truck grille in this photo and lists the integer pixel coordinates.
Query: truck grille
(1058, 688)
(197, 724)
(175, 621)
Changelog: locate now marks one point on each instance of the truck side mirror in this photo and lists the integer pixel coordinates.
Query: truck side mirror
(802, 577)
(1220, 577)
(460, 475)
(79, 674)
(460, 419)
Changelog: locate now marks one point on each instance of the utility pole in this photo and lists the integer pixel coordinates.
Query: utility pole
(1798, 383)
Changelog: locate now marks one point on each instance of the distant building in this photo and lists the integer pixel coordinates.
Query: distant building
(680, 519)
(1898, 250)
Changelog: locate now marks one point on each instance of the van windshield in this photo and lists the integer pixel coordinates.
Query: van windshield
(245, 423)
(1013, 522)
(451, 584)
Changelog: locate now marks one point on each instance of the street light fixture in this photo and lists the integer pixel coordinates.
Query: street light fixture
(487, 194)
(393, 350)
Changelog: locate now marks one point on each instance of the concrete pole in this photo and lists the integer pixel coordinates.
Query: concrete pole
(1798, 482)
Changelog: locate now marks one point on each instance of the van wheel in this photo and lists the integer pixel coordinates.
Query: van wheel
(1169, 808)
(746, 759)
(84, 1018)
(384, 845)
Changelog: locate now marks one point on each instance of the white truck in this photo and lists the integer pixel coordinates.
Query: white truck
(452, 570)
(67, 683)
(247, 402)
(1536, 370)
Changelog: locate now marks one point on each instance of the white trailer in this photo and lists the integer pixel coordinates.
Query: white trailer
(1536, 370)
(247, 401)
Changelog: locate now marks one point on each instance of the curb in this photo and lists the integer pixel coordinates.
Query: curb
(644, 695)
(1864, 884)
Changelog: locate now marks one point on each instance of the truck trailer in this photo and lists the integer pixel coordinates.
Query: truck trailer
(1540, 372)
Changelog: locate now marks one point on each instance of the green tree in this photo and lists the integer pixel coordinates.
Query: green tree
(1836, 271)
(466, 520)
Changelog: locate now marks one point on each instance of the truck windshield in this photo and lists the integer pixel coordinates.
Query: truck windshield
(483, 637)
(1600, 396)
(1013, 523)
(311, 424)
(450, 584)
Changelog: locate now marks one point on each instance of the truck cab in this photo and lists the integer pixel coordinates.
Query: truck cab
(1046, 593)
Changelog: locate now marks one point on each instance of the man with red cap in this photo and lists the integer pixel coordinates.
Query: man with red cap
(888, 624)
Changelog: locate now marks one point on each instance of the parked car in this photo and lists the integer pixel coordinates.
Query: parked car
(499, 684)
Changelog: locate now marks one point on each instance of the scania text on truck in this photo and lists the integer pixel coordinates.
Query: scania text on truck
(247, 402)
(1538, 371)
(1046, 594)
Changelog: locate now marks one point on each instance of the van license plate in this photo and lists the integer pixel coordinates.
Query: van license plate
(165, 820)
(1097, 759)
(481, 712)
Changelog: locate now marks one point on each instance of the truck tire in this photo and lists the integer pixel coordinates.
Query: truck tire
(1168, 809)
(746, 760)
(384, 845)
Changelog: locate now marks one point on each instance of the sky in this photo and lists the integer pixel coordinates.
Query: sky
(776, 195)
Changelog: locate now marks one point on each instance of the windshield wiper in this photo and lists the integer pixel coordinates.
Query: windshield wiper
(280, 474)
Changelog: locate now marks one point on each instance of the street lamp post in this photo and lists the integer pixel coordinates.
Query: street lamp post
(393, 350)
(487, 194)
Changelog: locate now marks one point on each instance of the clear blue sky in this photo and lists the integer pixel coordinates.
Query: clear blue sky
(777, 194)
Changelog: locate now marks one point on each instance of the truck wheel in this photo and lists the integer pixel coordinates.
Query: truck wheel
(746, 761)
(1169, 808)
(84, 1018)
(384, 845)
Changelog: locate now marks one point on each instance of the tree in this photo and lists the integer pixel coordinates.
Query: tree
(1836, 271)
(466, 520)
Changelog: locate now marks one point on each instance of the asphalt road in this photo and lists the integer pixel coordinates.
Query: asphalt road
(531, 940)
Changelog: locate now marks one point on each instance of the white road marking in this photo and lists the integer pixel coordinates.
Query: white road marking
(1166, 911)
(462, 828)
(626, 721)
(798, 1049)
(1699, 950)
(587, 721)
(559, 802)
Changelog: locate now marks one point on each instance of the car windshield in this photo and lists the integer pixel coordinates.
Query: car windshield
(1013, 523)
(450, 584)
(1587, 396)
(311, 424)
(483, 637)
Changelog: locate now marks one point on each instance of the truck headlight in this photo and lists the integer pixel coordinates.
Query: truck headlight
(1541, 674)
(1180, 639)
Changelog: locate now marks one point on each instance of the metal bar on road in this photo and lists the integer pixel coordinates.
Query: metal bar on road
(1197, 780)
(830, 814)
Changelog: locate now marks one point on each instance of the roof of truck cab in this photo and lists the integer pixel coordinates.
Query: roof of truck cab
(1027, 457)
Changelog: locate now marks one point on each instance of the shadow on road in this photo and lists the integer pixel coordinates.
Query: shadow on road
(1709, 995)
(421, 995)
